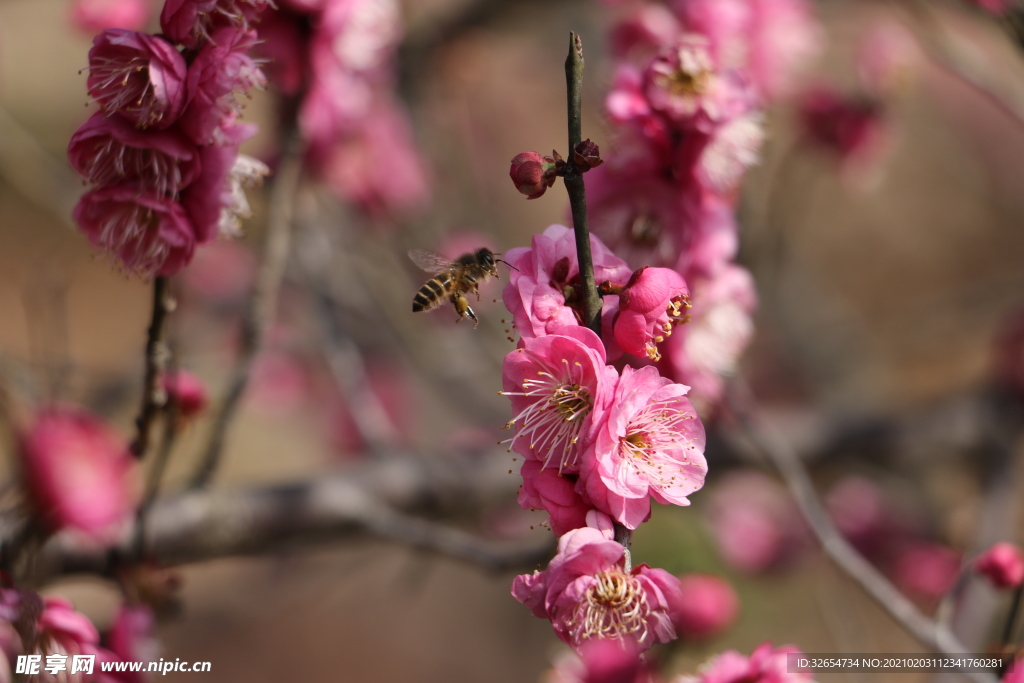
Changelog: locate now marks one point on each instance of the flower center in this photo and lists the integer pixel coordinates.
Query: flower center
(655, 429)
(615, 606)
(126, 86)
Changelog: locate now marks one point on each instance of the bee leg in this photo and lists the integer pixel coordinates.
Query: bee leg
(463, 309)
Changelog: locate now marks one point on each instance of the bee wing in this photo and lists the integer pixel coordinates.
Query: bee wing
(430, 261)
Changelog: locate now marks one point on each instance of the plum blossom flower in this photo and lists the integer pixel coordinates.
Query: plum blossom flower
(79, 475)
(137, 76)
(708, 607)
(221, 71)
(680, 82)
(187, 391)
(193, 22)
(541, 295)
(926, 569)
(131, 639)
(765, 665)
(733, 148)
(650, 445)
(108, 150)
(602, 661)
(652, 302)
(587, 595)
(149, 234)
(359, 35)
(559, 386)
(546, 489)
(1002, 565)
(644, 32)
(94, 16)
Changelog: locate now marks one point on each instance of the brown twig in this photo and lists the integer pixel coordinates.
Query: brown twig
(929, 632)
(153, 396)
(263, 302)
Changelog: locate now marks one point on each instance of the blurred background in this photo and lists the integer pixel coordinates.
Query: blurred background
(883, 290)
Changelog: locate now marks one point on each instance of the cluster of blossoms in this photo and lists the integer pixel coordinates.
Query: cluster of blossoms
(336, 56)
(51, 629)
(162, 151)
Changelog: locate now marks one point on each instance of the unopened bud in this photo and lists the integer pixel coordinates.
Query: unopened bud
(586, 155)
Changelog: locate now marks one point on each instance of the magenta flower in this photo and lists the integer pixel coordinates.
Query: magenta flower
(79, 475)
(131, 639)
(650, 445)
(148, 234)
(708, 607)
(588, 596)
(680, 82)
(602, 661)
(221, 72)
(546, 489)
(559, 386)
(652, 302)
(107, 150)
(193, 22)
(733, 147)
(542, 295)
(94, 16)
(138, 76)
(765, 665)
(1002, 565)
(529, 173)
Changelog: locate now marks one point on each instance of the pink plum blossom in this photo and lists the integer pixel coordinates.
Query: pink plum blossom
(1002, 565)
(652, 302)
(546, 489)
(602, 661)
(137, 76)
(927, 570)
(281, 51)
(108, 150)
(587, 594)
(644, 32)
(187, 391)
(765, 665)
(559, 386)
(542, 295)
(131, 639)
(94, 16)
(732, 148)
(221, 72)
(193, 22)
(708, 607)
(359, 35)
(62, 629)
(753, 522)
(682, 82)
(148, 234)
(708, 347)
(650, 444)
(785, 39)
(79, 475)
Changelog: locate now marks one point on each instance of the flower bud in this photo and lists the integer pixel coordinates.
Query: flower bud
(1002, 565)
(586, 155)
(708, 607)
(532, 173)
(187, 392)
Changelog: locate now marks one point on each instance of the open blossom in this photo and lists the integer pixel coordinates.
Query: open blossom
(108, 149)
(1002, 565)
(221, 72)
(192, 22)
(652, 302)
(681, 81)
(78, 474)
(545, 488)
(149, 234)
(650, 445)
(765, 665)
(542, 295)
(359, 35)
(137, 76)
(559, 387)
(732, 148)
(588, 596)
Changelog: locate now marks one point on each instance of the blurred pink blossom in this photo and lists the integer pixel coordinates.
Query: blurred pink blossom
(1002, 565)
(928, 570)
(852, 128)
(187, 391)
(708, 607)
(149, 234)
(94, 16)
(649, 444)
(588, 596)
(131, 639)
(192, 22)
(644, 32)
(765, 665)
(138, 76)
(602, 661)
(650, 305)
(559, 387)
(785, 38)
(79, 475)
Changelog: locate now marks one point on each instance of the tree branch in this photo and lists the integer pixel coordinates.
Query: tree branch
(153, 396)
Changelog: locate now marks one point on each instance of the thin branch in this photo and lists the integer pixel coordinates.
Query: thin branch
(927, 631)
(153, 396)
(263, 302)
(381, 500)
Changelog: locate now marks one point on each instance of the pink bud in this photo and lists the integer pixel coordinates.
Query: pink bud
(528, 174)
(927, 569)
(78, 473)
(652, 303)
(94, 16)
(1002, 564)
(708, 607)
(187, 392)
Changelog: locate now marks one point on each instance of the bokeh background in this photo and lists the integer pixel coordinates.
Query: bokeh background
(881, 300)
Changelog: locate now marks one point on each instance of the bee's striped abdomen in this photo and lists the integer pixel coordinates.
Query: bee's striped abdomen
(432, 293)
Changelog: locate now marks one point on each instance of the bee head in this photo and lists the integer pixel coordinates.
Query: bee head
(485, 257)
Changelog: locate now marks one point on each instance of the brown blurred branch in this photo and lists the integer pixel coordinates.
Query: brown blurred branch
(381, 500)
(263, 303)
(929, 632)
(153, 396)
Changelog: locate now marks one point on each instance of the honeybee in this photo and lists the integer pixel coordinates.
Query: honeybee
(454, 279)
